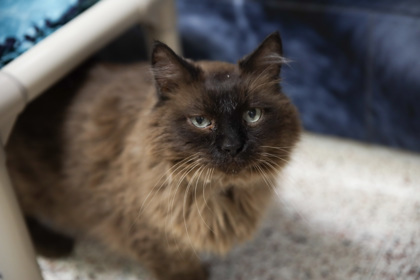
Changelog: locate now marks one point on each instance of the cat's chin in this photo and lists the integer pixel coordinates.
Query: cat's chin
(239, 178)
(231, 169)
(235, 171)
(232, 172)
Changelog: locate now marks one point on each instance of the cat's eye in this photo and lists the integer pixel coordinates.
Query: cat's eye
(200, 122)
(252, 115)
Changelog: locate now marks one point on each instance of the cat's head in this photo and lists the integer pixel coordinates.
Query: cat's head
(233, 118)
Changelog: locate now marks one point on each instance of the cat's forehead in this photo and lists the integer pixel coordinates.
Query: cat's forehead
(216, 66)
(221, 87)
(219, 75)
(216, 70)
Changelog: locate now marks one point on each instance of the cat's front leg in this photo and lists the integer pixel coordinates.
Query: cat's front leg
(172, 264)
(178, 267)
(164, 257)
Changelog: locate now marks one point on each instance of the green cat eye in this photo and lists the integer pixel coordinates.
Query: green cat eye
(252, 115)
(200, 122)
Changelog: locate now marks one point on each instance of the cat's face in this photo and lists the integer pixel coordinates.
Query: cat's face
(233, 118)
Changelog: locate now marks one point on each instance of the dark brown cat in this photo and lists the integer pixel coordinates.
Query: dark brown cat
(161, 166)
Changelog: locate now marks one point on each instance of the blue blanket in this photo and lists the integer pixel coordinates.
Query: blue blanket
(24, 23)
(355, 68)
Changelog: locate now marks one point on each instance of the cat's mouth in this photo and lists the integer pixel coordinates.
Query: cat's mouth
(233, 164)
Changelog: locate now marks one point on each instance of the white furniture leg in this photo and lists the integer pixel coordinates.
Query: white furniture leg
(161, 24)
(17, 257)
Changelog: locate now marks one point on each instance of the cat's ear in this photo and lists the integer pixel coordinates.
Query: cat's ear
(267, 58)
(169, 70)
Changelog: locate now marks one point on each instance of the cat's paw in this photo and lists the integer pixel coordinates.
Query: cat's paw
(47, 242)
(199, 273)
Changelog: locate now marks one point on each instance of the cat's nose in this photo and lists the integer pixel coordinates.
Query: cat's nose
(232, 146)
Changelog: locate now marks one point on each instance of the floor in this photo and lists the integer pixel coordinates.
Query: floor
(344, 210)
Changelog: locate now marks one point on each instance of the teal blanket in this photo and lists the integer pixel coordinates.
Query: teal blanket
(23, 23)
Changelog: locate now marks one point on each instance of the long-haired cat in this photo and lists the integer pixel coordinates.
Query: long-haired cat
(157, 165)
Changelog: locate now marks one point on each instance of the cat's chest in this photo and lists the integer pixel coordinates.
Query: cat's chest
(211, 216)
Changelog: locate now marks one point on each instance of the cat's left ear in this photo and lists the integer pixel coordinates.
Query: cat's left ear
(170, 70)
(268, 57)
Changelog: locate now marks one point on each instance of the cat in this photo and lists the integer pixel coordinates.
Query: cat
(158, 162)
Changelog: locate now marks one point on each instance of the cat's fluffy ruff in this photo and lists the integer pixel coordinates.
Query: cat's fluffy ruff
(119, 161)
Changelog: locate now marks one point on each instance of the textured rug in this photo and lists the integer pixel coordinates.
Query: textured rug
(344, 211)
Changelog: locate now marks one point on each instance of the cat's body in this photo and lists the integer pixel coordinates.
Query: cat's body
(157, 167)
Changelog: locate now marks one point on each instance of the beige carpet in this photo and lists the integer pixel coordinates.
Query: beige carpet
(345, 211)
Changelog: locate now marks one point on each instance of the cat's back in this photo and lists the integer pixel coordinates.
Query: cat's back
(82, 120)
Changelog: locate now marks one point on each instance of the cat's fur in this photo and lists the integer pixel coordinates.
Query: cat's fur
(112, 154)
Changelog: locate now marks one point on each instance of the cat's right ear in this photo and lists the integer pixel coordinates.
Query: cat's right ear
(267, 58)
(170, 70)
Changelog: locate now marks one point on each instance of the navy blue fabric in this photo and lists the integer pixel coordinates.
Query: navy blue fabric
(355, 68)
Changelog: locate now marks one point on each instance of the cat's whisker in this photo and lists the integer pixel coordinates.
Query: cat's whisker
(173, 193)
(269, 184)
(290, 179)
(264, 176)
(270, 158)
(273, 188)
(186, 194)
(290, 161)
(289, 149)
(273, 168)
(208, 177)
(174, 190)
(196, 204)
(275, 156)
(171, 171)
(185, 171)
(168, 175)
(278, 151)
(286, 149)
(177, 176)
(278, 147)
(180, 166)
